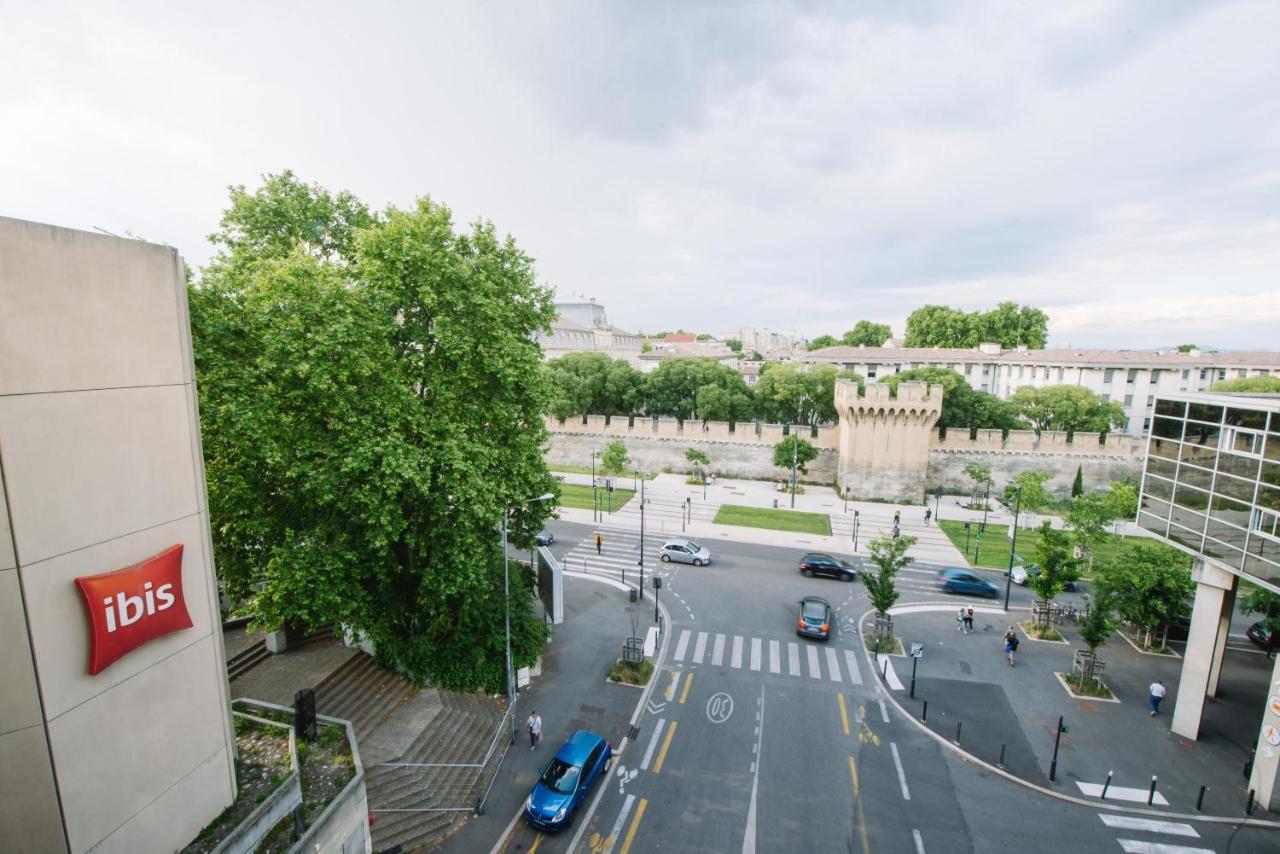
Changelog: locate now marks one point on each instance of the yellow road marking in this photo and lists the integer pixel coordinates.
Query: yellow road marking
(853, 772)
(844, 714)
(666, 743)
(857, 800)
(635, 822)
(684, 695)
(536, 843)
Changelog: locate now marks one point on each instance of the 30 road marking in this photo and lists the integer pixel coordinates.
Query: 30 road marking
(735, 660)
(1124, 822)
(684, 695)
(844, 713)
(618, 825)
(717, 652)
(700, 648)
(902, 777)
(666, 745)
(635, 822)
(775, 663)
(755, 653)
(653, 742)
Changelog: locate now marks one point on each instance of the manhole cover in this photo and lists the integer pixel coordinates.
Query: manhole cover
(965, 668)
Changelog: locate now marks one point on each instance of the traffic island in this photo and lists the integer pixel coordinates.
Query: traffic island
(632, 673)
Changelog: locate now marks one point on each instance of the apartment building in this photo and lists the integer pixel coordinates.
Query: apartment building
(1132, 378)
(583, 327)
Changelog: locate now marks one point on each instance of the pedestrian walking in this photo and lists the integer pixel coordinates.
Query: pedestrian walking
(1157, 694)
(960, 621)
(1010, 644)
(897, 518)
(599, 542)
(535, 729)
(928, 514)
(968, 620)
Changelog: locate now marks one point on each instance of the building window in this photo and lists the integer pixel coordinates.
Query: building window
(968, 370)
(1106, 398)
(1059, 374)
(1108, 376)
(1222, 373)
(986, 372)
(1151, 400)
(871, 371)
(1128, 401)
(984, 386)
(1204, 374)
(1241, 372)
(1186, 374)
(1133, 375)
(1241, 441)
(1265, 522)
(1146, 424)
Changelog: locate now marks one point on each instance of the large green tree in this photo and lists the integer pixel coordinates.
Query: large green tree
(1069, 408)
(866, 333)
(792, 393)
(822, 341)
(1008, 325)
(963, 407)
(1257, 385)
(797, 449)
(674, 389)
(592, 383)
(1149, 584)
(371, 406)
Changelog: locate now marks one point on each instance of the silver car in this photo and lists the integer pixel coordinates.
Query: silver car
(684, 551)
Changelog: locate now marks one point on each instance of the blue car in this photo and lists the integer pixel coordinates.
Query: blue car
(954, 580)
(564, 783)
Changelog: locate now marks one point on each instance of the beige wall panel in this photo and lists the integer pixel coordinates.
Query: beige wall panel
(194, 801)
(7, 560)
(28, 799)
(60, 628)
(71, 485)
(152, 751)
(19, 702)
(85, 311)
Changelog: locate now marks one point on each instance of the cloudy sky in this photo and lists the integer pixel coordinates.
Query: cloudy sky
(707, 165)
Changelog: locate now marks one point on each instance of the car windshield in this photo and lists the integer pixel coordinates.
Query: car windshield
(561, 777)
(693, 547)
(814, 610)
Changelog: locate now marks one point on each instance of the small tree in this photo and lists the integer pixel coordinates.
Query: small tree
(1088, 516)
(889, 555)
(804, 453)
(1057, 567)
(1077, 485)
(615, 460)
(1149, 584)
(1264, 602)
(699, 459)
(1034, 495)
(1094, 631)
(1124, 499)
(980, 473)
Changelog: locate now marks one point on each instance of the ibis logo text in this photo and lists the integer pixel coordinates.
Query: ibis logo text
(134, 605)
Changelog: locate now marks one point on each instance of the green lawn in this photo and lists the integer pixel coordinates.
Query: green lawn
(995, 544)
(572, 469)
(578, 496)
(778, 520)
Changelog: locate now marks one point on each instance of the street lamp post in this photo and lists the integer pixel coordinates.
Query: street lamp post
(795, 449)
(857, 523)
(937, 504)
(1013, 544)
(595, 503)
(506, 616)
(641, 561)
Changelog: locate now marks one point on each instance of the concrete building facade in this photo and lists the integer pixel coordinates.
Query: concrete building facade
(583, 327)
(1132, 378)
(101, 469)
(1211, 487)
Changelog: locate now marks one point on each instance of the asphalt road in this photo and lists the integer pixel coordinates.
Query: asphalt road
(758, 740)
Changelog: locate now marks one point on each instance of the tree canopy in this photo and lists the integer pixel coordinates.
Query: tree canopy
(1070, 408)
(822, 341)
(593, 383)
(1149, 585)
(678, 389)
(371, 403)
(1258, 385)
(1008, 325)
(804, 453)
(962, 405)
(888, 555)
(791, 393)
(868, 334)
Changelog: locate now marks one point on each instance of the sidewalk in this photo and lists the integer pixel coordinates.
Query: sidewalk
(966, 680)
(666, 498)
(570, 694)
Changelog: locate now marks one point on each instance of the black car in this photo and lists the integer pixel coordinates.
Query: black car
(815, 618)
(817, 563)
(1262, 635)
(544, 538)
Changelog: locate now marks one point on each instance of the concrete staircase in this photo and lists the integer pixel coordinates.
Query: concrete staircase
(460, 734)
(363, 694)
(242, 662)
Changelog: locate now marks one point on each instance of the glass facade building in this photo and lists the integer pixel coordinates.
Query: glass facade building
(1211, 482)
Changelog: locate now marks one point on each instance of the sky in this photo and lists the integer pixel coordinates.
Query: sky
(706, 165)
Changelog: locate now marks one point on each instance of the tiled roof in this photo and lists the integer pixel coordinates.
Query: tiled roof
(1060, 356)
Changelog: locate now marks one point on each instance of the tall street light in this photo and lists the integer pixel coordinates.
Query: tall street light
(595, 503)
(1013, 543)
(506, 595)
(795, 448)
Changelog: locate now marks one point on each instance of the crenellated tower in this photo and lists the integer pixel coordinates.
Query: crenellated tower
(884, 438)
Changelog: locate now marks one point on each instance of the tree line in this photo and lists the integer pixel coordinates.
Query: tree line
(1008, 324)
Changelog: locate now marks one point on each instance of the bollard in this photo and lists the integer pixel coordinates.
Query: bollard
(958, 723)
(924, 713)
(1151, 795)
(1000, 764)
(1200, 799)
(884, 671)
(1107, 785)
(1248, 810)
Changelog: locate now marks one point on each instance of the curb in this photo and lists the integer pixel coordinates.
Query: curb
(1243, 821)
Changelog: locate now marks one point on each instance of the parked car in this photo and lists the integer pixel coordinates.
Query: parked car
(1023, 572)
(955, 580)
(815, 618)
(544, 538)
(684, 551)
(817, 563)
(1262, 635)
(563, 784)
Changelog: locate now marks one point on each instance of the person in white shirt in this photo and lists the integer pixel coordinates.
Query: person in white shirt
(1157, 694)
(535, 730)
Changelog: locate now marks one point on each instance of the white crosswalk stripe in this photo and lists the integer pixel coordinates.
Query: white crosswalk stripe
(815, 669)
(775, 664)
(717, 651)
(851, 661)
(1134, 824)
(700, 648)
(682, 645)
(1142, 846)
(833, 665)
(755, 653)
(735, 660)
(793, 659)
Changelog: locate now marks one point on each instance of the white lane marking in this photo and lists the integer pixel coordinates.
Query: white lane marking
(735, 661)
(1121, 793)
(671, 689)
(890, 676)
(915, 834)
(902, 777)
(755, 653)
(749, 837)
(717, 652)
(833, 665)
(855, 675)
(1138, 846)
(884, 713)
(1125, 822)
(775, 666)
(700, 648)
(622, 820)
(815, 669)
(653, 742)
(793, 659)
(682, 645)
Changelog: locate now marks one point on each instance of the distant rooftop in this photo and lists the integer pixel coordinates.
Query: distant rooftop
(1059, 356)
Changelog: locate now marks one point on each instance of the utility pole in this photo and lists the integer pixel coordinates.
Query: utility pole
(595, 500)
(642, 540)
(795, 447)
(1013, 544)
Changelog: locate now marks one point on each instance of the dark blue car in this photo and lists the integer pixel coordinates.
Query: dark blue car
(955, 580)
(564, 783)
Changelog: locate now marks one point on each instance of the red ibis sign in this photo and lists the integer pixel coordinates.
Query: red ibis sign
(132, 606)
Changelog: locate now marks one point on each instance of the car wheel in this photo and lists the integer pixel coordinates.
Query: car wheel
(697, 561)
(848, 576)
(807, 573)
(666, 558)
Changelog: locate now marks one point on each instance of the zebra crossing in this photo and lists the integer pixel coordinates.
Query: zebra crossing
(1133, 825)
(619, 555)
(825, 664)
